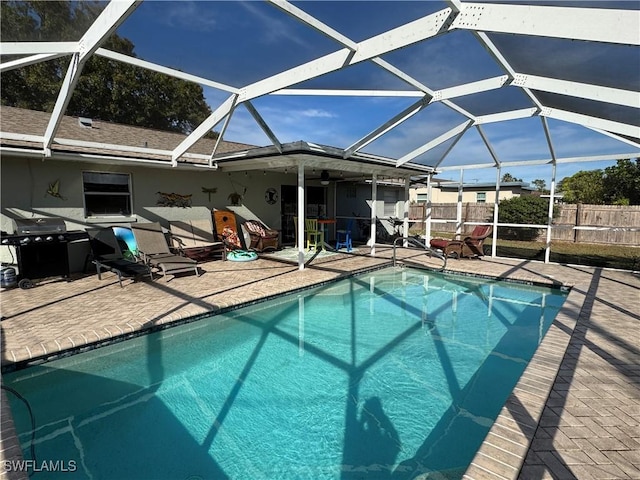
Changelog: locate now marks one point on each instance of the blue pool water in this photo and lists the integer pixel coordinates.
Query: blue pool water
(391, 374)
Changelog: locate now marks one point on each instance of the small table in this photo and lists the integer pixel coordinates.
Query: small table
(322, 222)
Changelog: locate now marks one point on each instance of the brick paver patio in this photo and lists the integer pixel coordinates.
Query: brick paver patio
(575, 412)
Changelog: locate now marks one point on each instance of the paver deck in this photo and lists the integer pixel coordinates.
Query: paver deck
(575, 412)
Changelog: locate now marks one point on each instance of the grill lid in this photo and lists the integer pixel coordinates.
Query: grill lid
(30, 226)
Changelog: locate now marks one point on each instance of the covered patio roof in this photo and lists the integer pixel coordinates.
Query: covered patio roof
(432, 84)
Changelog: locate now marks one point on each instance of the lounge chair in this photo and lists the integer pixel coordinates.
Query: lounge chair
(468, 245)
(262, 237)
(154, 250)
(106, 254)
(194, 239)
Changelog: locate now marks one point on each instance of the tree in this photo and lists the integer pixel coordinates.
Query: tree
(584, 187)
(528, 209)
(622, 183)
(507, 177)
(107, 89)
(540, 185)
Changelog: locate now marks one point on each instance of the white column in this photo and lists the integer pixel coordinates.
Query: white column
(459, 207)
(301, 216)
(496, 207)
(405, 222)
(552, 192)
(374, 199)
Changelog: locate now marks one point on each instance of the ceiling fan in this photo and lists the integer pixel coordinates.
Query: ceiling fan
(325, 177)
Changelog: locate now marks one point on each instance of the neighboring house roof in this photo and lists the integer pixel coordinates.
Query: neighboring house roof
(486, 186)
(21, 128)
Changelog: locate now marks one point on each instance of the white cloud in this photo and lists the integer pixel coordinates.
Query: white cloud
(191, 15)
(314, 113)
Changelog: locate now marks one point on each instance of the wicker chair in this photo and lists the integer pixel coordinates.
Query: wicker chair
(262, 237)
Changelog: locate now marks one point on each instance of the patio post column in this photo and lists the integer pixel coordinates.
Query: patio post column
(374, 200)
(301, 216)
(427, 216)
(405, 221)
(496, 206)
(552, 192)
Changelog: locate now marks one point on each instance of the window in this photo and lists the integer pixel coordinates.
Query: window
(106, 194)
(423, 197)
(481, 197)
(390, 197)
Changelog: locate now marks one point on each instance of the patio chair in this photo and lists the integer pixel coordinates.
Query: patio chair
(194, 239)
(154, 250)
(343, 237)
(463, 245)
(107, 255)
(315, 236)
(262, 237)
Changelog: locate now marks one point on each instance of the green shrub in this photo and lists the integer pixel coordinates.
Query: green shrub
(526, 210)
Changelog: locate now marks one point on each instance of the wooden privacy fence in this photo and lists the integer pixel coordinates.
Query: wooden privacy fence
(609, 224)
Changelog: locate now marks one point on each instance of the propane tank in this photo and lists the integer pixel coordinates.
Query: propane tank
(8, 277)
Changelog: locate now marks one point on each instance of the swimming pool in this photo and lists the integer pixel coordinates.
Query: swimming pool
(393, 373)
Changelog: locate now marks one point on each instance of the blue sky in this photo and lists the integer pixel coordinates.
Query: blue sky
(238, 43)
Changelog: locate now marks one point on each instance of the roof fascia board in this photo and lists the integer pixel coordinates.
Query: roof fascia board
(575, 89)
(30, 60)
(592, 122)
(434, 143)
(390, 124)
(38, 48)
(103, 52)
(591, 24)
(109, 19)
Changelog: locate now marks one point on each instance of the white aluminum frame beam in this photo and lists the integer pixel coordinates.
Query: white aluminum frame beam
(263, 125)
(136, 62)
(575, 89)
(30, 60)
(591, 24)
(38, 48)
(592, 122)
